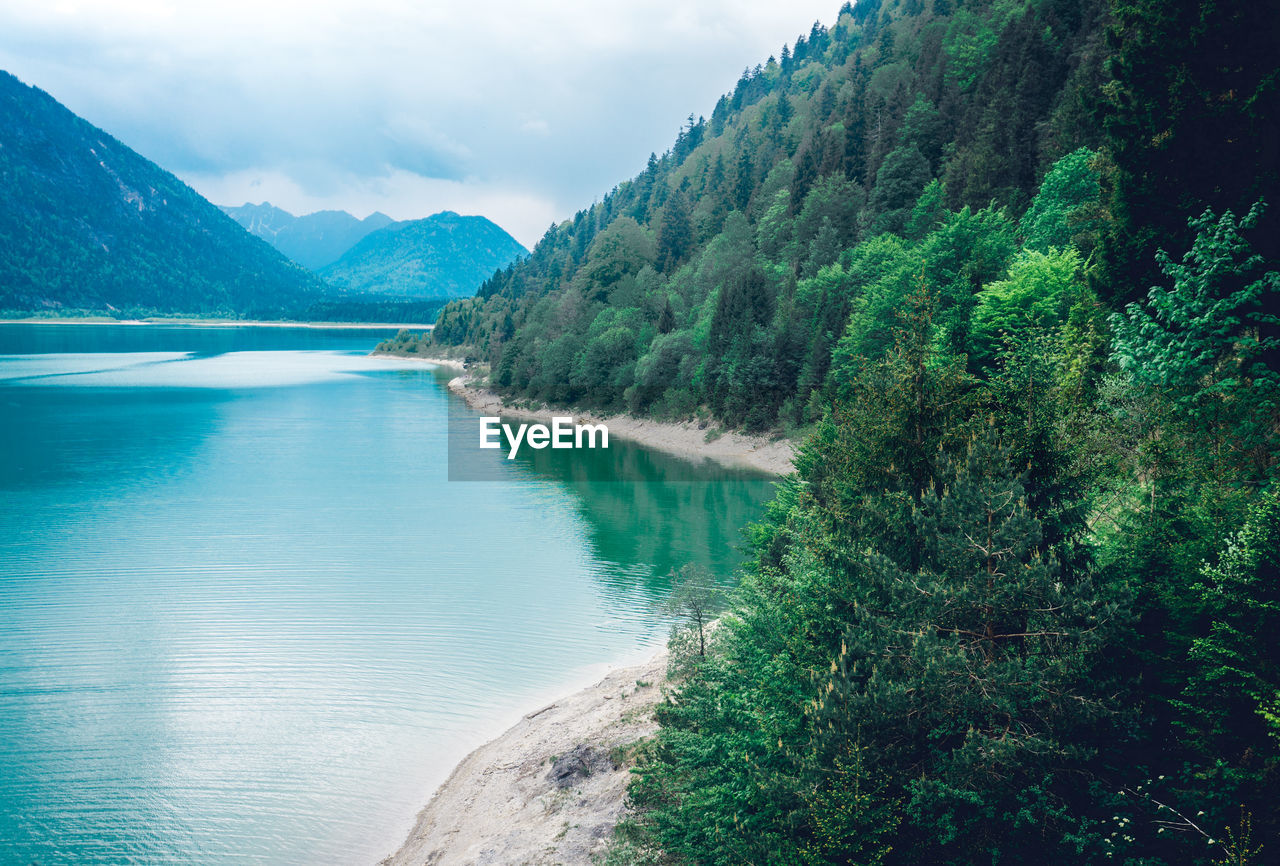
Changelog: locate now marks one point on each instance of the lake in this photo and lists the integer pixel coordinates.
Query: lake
(245, 617)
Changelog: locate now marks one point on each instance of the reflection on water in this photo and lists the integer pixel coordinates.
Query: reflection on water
(247, 618)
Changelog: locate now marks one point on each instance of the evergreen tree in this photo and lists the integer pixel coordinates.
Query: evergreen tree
(966, 677)
(675, 232)
(1234, 665)
(1065, 212)
(1191, 116)
(1212, 339)
(901, 177)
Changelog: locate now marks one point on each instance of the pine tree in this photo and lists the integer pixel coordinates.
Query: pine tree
(967, 676)
(666, 319)
(675, 232)
(1211, 340)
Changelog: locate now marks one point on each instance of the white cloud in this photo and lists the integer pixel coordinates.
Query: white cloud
(536, 127)
(535, 108)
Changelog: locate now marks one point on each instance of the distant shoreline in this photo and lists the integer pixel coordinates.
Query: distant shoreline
(220, 323)
(451, 363)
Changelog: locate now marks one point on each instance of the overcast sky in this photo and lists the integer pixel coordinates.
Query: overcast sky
(522, 111)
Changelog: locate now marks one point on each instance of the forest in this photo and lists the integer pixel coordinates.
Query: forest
(1011, 270)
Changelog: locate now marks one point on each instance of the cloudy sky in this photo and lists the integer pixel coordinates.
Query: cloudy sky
(522, 110)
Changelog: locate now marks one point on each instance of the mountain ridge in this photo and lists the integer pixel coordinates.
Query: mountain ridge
(88, 224)
(312, 240)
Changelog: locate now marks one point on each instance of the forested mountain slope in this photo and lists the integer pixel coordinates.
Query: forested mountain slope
(1013, 265)
(86, 224)
(441, 256)
(701, 281)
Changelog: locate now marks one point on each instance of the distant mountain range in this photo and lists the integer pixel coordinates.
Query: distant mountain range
(442, 256)
(88, 225)
(314, 240)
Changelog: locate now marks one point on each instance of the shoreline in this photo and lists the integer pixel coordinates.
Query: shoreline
(684, 439)
(218, 323)
(451, 363)
(551, 788)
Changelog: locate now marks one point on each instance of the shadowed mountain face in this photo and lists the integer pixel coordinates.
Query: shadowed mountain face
(313, 241)
(86, 224)
(442, 256)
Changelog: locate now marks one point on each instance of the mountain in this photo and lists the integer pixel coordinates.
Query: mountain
(441, 256)
(314, 240)
(86, 224)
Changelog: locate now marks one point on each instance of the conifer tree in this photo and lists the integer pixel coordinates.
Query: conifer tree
(966, 677)
(675, 232)
(1211, 340)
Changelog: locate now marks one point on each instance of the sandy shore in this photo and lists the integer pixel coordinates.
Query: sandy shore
(684, 439)
(549, 790)
(451, 363)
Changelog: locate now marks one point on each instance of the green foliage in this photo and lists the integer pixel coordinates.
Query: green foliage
(968, 251)
(969, 669)
(1065, 212)
(1211, 340)
(1188, 108)
(695, 598)
(804, 163)
(929, 212)
(1015, 605)
(1234, 664)
(852, 817)
(969, 43)
(906, 668)
(901, 177)
(619, 251)
(1036, 296)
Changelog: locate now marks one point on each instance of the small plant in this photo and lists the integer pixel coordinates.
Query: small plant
(623, 754)
(695, 598)
(1239, 847)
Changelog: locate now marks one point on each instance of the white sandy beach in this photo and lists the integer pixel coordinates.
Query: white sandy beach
(550, 789)
(448, 363)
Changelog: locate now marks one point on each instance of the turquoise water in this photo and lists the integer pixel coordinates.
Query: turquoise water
(244, 617)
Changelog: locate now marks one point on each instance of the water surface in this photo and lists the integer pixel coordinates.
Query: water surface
(244, 617)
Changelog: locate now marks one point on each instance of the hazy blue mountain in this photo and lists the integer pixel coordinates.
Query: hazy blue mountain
(444, 255)
(314, 240)
(86, 224)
